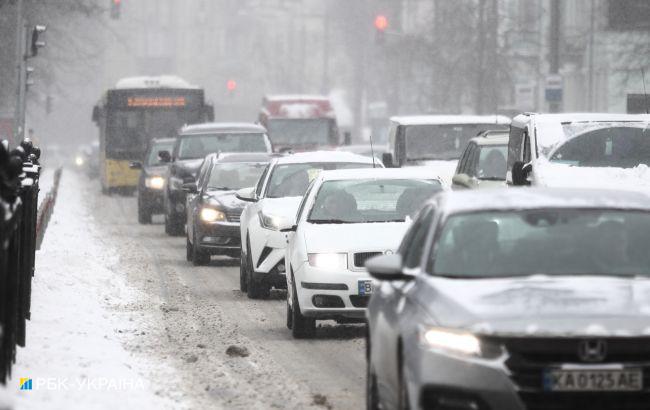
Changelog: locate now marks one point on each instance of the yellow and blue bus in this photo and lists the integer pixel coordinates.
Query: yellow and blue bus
(134, 112)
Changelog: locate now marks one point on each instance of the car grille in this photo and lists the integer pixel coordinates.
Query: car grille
(529, 357)
(233, 216)
(359, 301)
(361, 258)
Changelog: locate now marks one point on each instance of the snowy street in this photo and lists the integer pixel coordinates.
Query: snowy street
(130, 309)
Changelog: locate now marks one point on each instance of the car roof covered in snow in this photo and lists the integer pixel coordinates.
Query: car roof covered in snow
(422, 173)
(451, 119)
(523, 119)
(508, 199)
(222, 127)
(240, 157)
(324, 156)
(163, 81)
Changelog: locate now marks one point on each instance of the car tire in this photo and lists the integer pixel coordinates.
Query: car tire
(254, 289)
(372, 393)
(188, 249)
(289, 315)
(199, 256)
(301, 327)
(173, 225)
(403, 400)
(243, 271)
(144, 214)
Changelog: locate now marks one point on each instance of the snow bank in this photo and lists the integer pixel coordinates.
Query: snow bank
(73, 355)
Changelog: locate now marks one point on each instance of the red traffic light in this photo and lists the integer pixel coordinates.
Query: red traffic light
(231, 85)
(381, 22)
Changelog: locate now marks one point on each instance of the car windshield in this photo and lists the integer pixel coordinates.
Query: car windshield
(492, 163)
(294, 179)
(235, 175)
(617, 145)
(152, 159)
(370, 200)
(545, 242)
(198, 146)
(299, 131)
(442, 142)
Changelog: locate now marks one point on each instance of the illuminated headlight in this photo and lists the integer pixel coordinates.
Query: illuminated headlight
(212, 215)
(329, 261)
(271, 222)
(176, 183)
(79, 160)
(451, 341)
(154, 182)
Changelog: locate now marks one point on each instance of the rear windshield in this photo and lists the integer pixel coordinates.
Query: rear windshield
(198, 146)
(153, 159)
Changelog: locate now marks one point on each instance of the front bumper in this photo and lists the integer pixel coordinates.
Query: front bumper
(219, 238)
(270, 251)
(325, 294)
(151, 199)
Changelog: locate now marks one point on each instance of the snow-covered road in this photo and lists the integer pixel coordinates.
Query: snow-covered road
(169, 323)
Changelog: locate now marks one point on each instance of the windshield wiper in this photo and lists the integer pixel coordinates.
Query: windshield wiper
(491, 179)
(329, 221)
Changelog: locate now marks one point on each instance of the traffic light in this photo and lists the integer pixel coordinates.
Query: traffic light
(231, 85)
(116, 6)
(381, 24)
(36, 43)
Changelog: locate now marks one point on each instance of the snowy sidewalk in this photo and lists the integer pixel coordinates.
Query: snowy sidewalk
(73, 355)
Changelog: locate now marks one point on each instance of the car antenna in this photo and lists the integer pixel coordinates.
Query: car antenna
(645, 92)
(372, 152)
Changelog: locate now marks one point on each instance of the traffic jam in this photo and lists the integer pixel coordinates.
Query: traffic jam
(455, 232)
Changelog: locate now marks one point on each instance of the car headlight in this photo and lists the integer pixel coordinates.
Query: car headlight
(271, 222)
(156, 182)
(451, 341)
(329, 261)
(79, 160)
(212, 215)
(176, 183)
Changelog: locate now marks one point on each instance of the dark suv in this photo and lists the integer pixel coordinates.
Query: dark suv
(152, 181)
(213, 210)
(194, 143)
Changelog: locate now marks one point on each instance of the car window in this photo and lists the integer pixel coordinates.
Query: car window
(492, 162)
(304, 201)
(260, 183)
(198, 146)
(230, 176)
(153, 159)
(414, 252)
(526, 147)
(200, 181)
(463, 160)
(514, 145)
(470, 166)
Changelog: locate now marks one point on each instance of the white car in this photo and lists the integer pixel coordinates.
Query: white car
(276, 197)
(346, 218)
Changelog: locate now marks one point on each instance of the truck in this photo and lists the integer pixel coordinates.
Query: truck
(299, 122)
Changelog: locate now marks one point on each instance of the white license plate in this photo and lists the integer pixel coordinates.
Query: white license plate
(365, 287)
(593, 380)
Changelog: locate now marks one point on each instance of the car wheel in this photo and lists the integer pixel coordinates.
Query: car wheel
(289, 314)
(243, 272)
(144, 214)
(188, 249)
(372, 394)
(404, 403)
(301, 327)
(254, 289)
(199, 256)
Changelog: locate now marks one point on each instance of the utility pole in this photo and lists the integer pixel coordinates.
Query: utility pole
(325, 84)
(592, 28)
(21, 44)
(554, 45)
(480, 52)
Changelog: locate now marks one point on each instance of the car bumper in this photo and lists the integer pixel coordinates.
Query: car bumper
(271, 257)
(219, 238)
(434, 378)
(330, 295)
(152, 199)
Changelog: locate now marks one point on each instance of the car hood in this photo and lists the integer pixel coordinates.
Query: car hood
(188, 166)
(562, 175)
(541, 305)
(225, 199)
(354, 237)
(443, 169)
(285, 207)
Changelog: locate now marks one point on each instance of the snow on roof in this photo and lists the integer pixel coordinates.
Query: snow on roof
(163, 81)
(541, 198)
(523, 119)
(451, 119)
(380, 173)
(492, 140)
(222, 127)
(324, 156)
(297, 97)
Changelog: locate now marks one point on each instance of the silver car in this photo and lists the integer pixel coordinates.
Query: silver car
(515, 299)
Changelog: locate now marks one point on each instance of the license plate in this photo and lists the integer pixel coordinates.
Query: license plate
(365, 287)
(593, 380)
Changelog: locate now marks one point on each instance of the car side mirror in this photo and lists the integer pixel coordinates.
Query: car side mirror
(164, 156)
(135, 165)
(520, 173)
(190, 187)
(387, 267)
(387, 159)
(246, 195)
